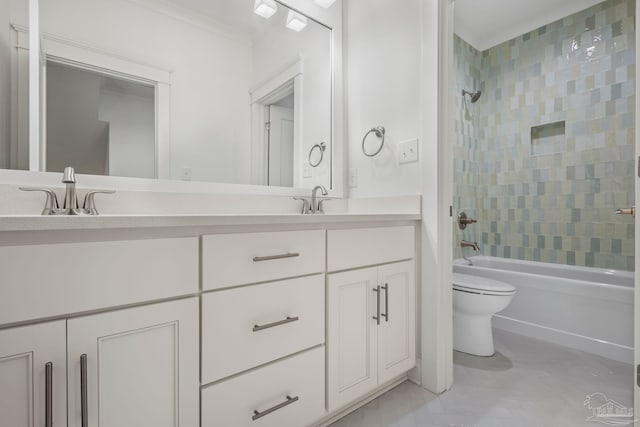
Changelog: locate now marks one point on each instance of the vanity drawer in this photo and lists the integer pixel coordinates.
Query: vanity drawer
(49, 280)
(361, 247)
(298, 380)
(246, 327)
(239, 259)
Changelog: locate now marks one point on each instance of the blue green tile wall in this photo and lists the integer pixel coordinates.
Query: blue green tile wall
(467, 63)
(552, 201)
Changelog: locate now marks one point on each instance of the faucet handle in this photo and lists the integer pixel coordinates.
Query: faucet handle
(321, 206)
(305, 205)
(50, 204)
(89, 204)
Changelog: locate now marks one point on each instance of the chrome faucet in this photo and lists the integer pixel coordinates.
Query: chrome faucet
(70, 203)
(316, 207)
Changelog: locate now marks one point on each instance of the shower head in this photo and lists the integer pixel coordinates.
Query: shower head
(474, 95)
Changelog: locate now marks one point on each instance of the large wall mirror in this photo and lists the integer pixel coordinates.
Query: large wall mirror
(224, 91)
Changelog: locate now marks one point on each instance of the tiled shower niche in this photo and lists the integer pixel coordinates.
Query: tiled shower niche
(546, 155)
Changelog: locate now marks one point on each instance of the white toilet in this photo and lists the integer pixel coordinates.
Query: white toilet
(475, 301)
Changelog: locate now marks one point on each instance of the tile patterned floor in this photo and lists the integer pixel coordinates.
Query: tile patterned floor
(528, 383)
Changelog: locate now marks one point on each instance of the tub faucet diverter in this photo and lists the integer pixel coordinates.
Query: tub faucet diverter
(464, 220)
(70, 203)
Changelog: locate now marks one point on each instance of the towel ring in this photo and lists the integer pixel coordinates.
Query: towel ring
(379, 131)
(322, 146)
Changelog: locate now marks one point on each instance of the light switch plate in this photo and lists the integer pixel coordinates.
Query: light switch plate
(408, 151)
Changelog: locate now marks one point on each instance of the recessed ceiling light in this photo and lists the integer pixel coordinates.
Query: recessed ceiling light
(295, 21)
(324, 3)
(265, 8)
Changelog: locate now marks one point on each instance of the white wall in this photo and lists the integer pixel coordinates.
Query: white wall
(383, 45)
(5, 84)
(397, 78)
(131, 133)
(209, 114)
(279, 48)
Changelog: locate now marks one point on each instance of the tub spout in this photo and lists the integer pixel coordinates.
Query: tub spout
(474, 245)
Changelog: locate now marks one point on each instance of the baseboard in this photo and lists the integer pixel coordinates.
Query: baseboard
(609, 350)
(341, 413)
(415, 375)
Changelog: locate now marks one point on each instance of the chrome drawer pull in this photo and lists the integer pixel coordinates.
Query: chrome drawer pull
(386, 302)
(48, 394)
(289, 401)
(258, 328)
(272, 257)
(84, 410)
(377, 316)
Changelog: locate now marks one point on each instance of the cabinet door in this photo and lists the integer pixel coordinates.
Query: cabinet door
(24, 352)
(351, 335)
(397, 332)
(141, 366)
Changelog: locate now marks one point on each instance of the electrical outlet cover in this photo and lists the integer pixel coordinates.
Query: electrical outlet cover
(353, 177)
(185, 174)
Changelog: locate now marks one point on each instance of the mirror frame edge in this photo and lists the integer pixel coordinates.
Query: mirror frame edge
(332, 18)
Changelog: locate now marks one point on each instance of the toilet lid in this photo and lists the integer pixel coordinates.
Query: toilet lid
(478, 284)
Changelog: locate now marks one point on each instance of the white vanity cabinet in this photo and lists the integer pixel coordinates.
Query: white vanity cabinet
(371, 316)
(140, 367)
(263, 328)
(32, 370)
(279, 327)
(140, 363)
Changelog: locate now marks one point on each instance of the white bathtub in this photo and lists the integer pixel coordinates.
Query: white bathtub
(589, 309)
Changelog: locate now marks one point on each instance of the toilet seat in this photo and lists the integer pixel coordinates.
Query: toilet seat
(481, 285)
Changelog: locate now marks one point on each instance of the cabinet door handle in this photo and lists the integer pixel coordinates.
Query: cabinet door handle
(272, 257)
(377, 316)
(84, 410)
(257, 328)
(257, 414)
(386, 302)
(48, 394)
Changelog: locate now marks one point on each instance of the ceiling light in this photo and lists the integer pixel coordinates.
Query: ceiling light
(265, 8)
(324, 3)
(295, 21)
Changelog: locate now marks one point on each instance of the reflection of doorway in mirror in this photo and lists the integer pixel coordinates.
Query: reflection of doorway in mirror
(99, 124)
(276, 122)
(281, 136)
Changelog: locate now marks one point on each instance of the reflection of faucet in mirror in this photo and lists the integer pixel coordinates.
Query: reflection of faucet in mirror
(316, 207)
(70, 203)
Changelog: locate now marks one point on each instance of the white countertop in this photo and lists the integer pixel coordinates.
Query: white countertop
(42, 223)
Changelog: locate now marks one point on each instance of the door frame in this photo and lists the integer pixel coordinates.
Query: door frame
(636, 323)
(435, 248)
